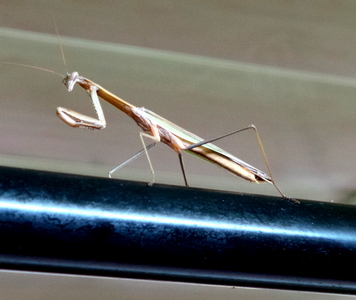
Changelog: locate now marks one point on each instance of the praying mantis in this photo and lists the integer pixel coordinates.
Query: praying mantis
(159, 129)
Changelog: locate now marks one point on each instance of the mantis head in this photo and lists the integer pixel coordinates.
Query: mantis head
(70, 80)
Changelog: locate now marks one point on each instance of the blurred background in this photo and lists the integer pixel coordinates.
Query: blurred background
(210, 66)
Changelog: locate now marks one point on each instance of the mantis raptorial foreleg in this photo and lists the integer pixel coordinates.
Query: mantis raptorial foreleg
(76, 119)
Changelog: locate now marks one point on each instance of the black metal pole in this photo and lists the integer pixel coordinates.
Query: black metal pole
(85, 225)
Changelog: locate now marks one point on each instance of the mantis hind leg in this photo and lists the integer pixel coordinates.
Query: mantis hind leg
(253, 127)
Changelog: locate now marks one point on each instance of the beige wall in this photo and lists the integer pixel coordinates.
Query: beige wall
(285, 66)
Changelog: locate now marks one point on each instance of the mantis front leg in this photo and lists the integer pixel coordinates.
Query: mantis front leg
(75, 119)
